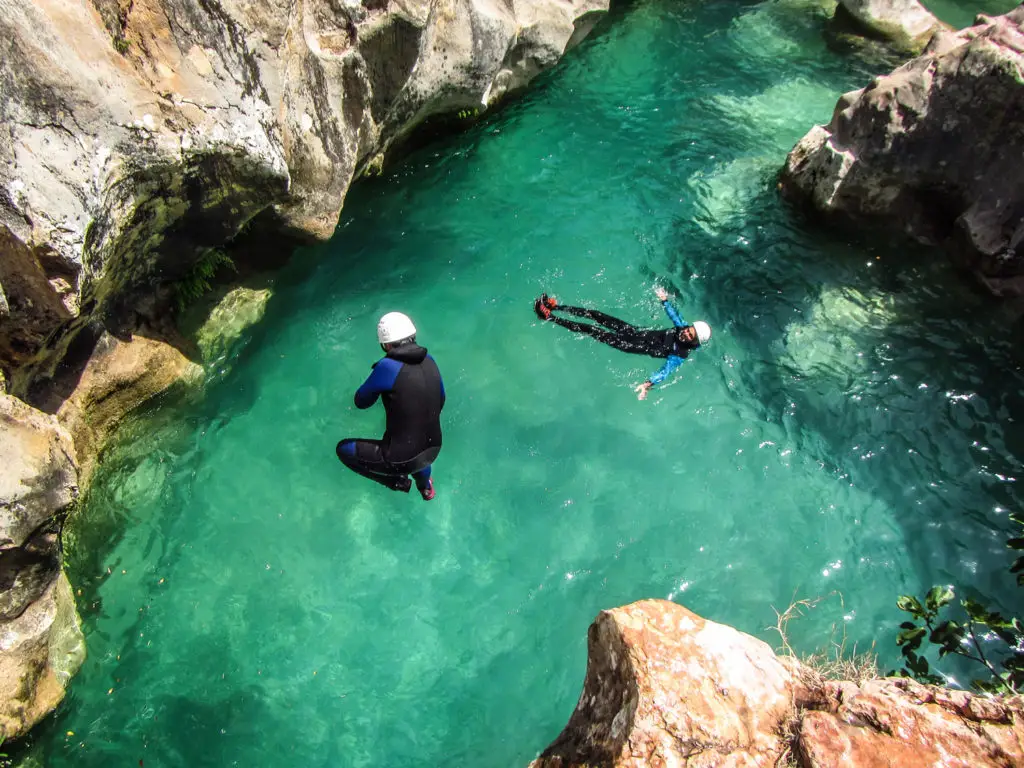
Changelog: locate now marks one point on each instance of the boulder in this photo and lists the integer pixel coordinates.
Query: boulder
(935, 148)
(665, 687)
(121, 375)
(905, 23)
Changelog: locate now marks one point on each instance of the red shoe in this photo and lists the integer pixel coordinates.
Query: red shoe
(428, 492)
(541, 309)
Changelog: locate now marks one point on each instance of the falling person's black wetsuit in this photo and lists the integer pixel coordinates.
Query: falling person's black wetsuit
(409, 384)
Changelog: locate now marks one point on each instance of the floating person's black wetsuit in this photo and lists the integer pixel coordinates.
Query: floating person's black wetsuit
(673, 344)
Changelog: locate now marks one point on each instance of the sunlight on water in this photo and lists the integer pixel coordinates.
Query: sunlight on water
(831, 340)
(847, 433)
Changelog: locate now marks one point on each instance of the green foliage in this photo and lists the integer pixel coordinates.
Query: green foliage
(197, 281)
(962, 637)
(121, 45)
(466, 114)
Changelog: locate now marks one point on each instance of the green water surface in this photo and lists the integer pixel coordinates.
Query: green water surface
(849, 432)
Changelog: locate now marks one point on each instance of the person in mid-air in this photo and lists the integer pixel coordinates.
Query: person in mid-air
(409, 385)
(674, 344)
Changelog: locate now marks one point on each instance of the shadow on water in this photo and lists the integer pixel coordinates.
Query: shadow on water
(215, 722)
(879, 348)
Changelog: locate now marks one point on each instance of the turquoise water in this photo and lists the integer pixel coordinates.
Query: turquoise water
(960, 15)
(849, 433)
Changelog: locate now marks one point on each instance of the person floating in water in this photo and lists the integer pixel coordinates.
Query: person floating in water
(409, 385)
(674, 344)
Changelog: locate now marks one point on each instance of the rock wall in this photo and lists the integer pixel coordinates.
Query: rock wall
(140, 134)
(665, 687)
(40, 640)
(935, 148)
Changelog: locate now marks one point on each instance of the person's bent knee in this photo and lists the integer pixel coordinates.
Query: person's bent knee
(346, 451)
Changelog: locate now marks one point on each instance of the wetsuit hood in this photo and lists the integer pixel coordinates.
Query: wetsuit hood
(408, 353)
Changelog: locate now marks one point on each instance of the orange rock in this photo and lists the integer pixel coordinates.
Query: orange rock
(899, 722)
(666, 687)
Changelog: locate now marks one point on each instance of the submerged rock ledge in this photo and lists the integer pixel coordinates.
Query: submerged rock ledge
(665, 687)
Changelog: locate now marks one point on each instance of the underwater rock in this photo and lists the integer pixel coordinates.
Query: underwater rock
(665, 687)
(38, 624)
(834, 335)
(935, 148)
(238, 309)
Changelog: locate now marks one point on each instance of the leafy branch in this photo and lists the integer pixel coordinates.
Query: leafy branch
(964, 638)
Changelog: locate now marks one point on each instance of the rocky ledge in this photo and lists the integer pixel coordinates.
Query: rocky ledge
(936, 148)
(665, 687)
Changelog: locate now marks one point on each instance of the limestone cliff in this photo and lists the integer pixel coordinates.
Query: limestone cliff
(665, 687)
(936, 147)
(140, 134)
(40, 641)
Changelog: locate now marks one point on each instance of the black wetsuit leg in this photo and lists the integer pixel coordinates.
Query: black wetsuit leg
(628, 339)
(366, 457)
(592, 314)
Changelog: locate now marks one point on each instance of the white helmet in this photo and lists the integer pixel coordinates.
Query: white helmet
(394, 326)
(703, 331)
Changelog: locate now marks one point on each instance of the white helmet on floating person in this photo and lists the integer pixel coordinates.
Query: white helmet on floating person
(395, 326)
(703, 331)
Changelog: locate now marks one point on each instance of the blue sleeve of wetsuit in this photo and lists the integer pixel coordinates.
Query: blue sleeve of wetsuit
(673, 314)
(673, 362)
(385, 371)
